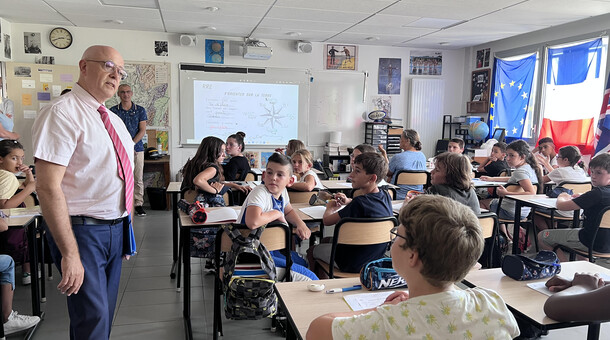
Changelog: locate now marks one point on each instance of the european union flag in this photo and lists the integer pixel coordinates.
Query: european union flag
(510, 97)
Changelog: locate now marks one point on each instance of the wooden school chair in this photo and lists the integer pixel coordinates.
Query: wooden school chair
(357, 231)
(250, 176)
(411, 177)
(602, 222)
(489, 226)
(276, 236)
(578, 188)
(515, 188)
(301, 196)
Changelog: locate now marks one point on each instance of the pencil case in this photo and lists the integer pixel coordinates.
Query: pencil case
(521, 268)
(379, 274)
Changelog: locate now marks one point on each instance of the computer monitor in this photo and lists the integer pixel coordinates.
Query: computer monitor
(499, 134)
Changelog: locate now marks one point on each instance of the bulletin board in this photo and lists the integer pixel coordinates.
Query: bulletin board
(30, 87)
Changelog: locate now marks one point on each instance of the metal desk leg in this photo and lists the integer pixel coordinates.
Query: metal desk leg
(517, 222)
(593, 332)
(174, 234)
(43, 295)
(186, 261)
(32, 245)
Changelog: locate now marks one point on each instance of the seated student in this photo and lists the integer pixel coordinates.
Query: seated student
(238, 166)
(13, 321)
(410, 159)
(592, 202)
(294, 145)
(302, 161)
(451, 178)
(368, 170)
(456, 145)
(496, 162)
(360, 149)
(570, 169)
(526, 175)
(433, 229)
(547, 157)
(269, 202)
(581, 299)
(13, 195)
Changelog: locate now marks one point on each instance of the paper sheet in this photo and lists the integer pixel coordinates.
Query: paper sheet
(316, 212)
(396, 207)
(366, 300)
(541, 287)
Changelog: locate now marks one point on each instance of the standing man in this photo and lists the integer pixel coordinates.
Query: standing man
(84, 166)
(135, 119)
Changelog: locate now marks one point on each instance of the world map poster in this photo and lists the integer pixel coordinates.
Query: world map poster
(150, 86)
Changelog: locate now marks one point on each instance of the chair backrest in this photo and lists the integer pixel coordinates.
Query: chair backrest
(300, 196)
(250, 176)
(411, 177)
(489, 224)
(576, 187)
(276, 236)
(328, 172)
(514, 188)
(29, 201)
(364, 231)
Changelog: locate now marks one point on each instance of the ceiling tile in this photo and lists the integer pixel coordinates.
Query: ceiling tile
(368, 6)
(315, 15)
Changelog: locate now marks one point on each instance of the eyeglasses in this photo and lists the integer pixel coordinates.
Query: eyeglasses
(110, 67)
(394, 232)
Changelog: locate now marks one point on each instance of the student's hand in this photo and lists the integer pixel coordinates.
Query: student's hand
(382, 150)
(332, 204)
(303, 232)
(24, 168)
(244, 188)
(589, 281)
(492, 159)
(397, 297)
(340, 198)
(485, 178)
(542, 159)
(501, 191)
(558, 283)
(564, 195)
(217, 186)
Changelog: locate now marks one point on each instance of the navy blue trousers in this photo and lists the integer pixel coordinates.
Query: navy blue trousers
(92, 309)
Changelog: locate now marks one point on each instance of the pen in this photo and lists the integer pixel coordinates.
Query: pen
(347, 289)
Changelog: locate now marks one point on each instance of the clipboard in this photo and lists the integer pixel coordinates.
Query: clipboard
(129, 240)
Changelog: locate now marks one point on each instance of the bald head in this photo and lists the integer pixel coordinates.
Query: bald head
(95, 78)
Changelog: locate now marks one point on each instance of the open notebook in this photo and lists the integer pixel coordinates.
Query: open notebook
(219, 215)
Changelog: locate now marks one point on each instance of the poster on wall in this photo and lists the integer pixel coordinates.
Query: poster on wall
(426, 63)
(214, 51)
(482, 58)
(340, 57)
(31, 42)
(7, 46)
(381, 103)
(388, 81)
(161, 48)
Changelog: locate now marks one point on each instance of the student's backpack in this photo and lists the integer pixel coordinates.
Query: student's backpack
(249, 277)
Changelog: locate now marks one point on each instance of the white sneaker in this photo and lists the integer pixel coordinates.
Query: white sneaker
(17, 323)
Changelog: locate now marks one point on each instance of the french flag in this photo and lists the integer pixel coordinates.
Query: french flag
(573, 72)
(602, 135)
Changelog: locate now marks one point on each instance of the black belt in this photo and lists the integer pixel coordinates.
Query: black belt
(81, 220)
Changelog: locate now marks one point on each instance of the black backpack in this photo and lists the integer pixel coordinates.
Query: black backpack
(249, 277)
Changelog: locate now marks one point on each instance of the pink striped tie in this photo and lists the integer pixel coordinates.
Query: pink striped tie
(125, 170)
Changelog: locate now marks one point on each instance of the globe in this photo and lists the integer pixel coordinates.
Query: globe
(478, 130)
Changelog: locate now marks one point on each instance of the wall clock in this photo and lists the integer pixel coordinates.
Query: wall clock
(60, 38)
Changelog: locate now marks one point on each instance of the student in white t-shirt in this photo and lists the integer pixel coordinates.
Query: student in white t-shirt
(432, 230)
(570, 169)
(302, 162)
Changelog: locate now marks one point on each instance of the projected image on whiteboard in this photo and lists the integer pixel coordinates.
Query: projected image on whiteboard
(267, 113)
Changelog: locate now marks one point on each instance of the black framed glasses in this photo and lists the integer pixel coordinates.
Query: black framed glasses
(110, 67)
(394, 231)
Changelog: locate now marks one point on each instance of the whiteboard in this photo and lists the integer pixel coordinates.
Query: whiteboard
(336, 104)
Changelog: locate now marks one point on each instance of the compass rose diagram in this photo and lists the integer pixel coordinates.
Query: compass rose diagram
(274, 114)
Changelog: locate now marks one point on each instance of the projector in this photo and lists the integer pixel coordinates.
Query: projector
(257, 52)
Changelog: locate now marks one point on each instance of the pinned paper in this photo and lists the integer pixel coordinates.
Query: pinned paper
(56, 90)
(45, 87)
(66, 78)
(46, 77)
(28, 84)
(44, 96)
(26, 99)
(29, 114)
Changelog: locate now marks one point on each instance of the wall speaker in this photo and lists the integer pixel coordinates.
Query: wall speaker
(303, 46)
(188, 40)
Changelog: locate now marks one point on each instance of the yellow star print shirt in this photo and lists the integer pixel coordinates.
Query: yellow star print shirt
(475, 313)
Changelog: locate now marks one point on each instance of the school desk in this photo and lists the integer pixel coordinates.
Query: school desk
(527, 302)
(342, 185)
(303, 306)
(534, 201)
(28, 218)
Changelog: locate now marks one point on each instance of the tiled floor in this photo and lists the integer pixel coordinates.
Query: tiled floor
(150, 308)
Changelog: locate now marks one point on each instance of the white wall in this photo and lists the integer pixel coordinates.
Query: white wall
(138, 46)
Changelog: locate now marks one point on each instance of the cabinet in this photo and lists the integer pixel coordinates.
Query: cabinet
(384, 134)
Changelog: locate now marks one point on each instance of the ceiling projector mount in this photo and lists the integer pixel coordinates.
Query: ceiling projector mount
(256, 49)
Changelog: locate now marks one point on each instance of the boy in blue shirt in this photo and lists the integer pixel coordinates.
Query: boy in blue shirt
(368, 170)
